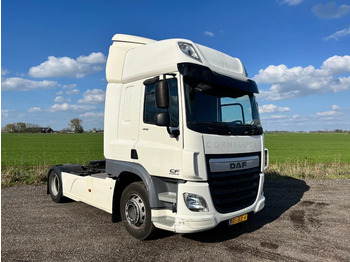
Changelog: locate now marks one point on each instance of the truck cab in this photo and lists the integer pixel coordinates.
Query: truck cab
(183, 142)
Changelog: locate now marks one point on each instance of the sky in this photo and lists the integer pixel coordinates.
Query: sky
(53, 55)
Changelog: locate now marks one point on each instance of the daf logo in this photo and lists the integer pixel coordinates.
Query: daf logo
(237, 165)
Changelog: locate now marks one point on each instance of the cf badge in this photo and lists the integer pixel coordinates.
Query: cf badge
(174, 172)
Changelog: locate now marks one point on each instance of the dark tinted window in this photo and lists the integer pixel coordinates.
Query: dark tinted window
(151, 110)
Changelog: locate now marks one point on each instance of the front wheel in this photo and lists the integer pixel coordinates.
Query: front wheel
(55, 187)
(136, 212)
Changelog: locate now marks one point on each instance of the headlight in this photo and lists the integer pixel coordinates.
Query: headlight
(189, 50)
(195, 202)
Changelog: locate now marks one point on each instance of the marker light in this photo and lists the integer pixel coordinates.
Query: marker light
(195, 202)
(188, 49)
(266, 153)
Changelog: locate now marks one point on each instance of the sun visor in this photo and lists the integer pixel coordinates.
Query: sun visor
(205, 74)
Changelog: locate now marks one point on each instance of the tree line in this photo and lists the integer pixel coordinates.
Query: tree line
(19, 127)
(75, 125)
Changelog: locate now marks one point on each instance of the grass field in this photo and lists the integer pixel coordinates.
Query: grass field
(27, 157)
(310, 147)
(309, 155)
(50, 149)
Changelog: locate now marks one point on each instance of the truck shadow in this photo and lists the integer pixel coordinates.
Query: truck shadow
(281, 195)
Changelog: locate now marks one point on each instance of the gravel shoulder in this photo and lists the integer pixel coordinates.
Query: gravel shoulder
(302, 221)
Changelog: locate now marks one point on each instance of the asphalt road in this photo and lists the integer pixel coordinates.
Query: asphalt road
(302, 221)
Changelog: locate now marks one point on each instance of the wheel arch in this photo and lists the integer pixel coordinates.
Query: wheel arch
(62, 168)
(126, 173)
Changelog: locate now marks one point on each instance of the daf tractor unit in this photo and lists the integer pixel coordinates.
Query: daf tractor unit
(183, 143)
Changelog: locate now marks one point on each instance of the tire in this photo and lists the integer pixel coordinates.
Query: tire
(136, 212)
(55, 186)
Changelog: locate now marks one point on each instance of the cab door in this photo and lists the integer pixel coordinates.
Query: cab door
(159, 152)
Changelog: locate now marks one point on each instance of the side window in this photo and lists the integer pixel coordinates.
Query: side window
(151, 110)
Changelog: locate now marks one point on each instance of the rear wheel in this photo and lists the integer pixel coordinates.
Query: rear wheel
(55, 187)
(136, 212)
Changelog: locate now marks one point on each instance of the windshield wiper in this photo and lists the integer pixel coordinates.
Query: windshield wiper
(222, 127)
(213, 127)
(252, 129)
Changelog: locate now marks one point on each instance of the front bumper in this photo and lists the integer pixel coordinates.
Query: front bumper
(187, 221)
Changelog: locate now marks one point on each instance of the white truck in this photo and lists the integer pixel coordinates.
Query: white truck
(183, 144)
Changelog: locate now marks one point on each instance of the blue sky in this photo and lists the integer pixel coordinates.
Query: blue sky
(53, 54)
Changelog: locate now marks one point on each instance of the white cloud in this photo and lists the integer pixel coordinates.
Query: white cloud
(34, 109)
(339, 34)
(93, 58)
(61, 99)
(71, 86)
(93, 97)
(208, 33)
(73, 92)
(69, 90)
(330, 10)
(278, 116)
(92, 115)
(290, 2)
(337, 65)
(5, 113)
(272, 109)
(69, 67)
(4, 71)
(331, 113)
(309, 122)
(21, 84)
(68, 107)
(302, 81)
(59, 107)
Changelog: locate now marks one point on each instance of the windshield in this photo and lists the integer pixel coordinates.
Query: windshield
(219, 110)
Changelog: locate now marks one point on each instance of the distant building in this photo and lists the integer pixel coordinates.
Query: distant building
(43, 130)
(97, 130)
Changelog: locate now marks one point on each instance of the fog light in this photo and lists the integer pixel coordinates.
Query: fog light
(195, 202)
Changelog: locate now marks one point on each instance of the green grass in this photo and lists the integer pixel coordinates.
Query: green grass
(310, 147)
(309, 155)
(26, 158)
(50, 149)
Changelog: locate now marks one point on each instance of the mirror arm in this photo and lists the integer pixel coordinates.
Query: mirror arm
(174, 133)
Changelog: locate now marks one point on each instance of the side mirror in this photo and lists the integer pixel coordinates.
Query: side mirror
(162, 94)
(163, 119)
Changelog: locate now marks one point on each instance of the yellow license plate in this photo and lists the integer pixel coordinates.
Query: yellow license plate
(237, 220)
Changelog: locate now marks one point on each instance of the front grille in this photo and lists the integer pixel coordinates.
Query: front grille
(234, 190)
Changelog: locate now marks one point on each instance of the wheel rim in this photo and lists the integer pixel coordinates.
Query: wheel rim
(135, 211)
(55, 184)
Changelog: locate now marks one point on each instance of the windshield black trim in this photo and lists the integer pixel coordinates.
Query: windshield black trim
(205, 74)
(220, 128)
